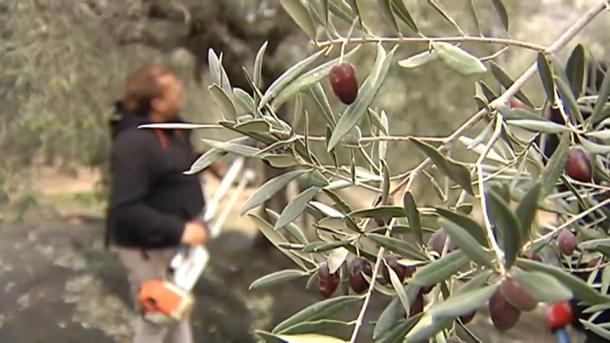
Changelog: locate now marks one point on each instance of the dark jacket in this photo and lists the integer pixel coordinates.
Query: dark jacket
(151, 198)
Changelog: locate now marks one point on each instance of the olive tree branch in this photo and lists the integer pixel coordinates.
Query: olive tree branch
(407, 182)
(561, 42)
(458, 39)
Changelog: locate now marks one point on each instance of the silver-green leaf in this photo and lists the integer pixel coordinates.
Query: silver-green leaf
(458, 59)
(269, 189)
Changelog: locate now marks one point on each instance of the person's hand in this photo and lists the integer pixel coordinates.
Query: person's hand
(195, 233)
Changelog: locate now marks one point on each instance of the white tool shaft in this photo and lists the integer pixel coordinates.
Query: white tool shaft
(219, 222)
(222, 189)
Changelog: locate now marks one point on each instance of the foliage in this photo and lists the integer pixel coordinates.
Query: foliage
(505, 173)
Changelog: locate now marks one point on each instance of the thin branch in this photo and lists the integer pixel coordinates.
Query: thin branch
(458, 39)
(489, 232)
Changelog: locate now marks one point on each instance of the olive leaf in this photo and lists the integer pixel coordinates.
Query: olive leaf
(205, 161)
(276, 278)
(269, 189)
(501, 10)
(277, 240)
(472, 227)
(287, 77)
(392, 313)
(328, 325)
(418, 59)
(440, 269)
(244, 103)
(546, 76)
(342, 10)
(542, 287)
(555, 165)
(399, 289)
(506, 81)
(398, 7)
(319, 310)
(257, 77)
(526, 210)
(235, 148)
(410, 208)
(464, 302)
(300, 14)
(458, 59)
(296, 206)
(317, 93)
(379, 212)
(580, 288)
(439, 8)
(507, 225)
(451, 169)
(543, 126)
(224, 101)
(427, 327)
(218, 73)
(565, 92)
(467, 243)
(398, 246)
(575, 69)
(602, 100)
(291, 228)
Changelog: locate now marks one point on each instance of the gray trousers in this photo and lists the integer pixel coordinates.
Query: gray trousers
(141, 267)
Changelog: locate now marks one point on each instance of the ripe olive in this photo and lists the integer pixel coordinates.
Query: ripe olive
(357, 281)
(516, 296)
(327, 281)
(343, 82)
(503, 315)
(578, 165)
(566, 242)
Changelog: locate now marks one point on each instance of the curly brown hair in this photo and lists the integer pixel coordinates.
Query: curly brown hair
(142, 86)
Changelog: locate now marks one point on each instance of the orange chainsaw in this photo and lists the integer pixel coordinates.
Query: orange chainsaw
(170, 299)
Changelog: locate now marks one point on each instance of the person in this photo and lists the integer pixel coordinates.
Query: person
(153, 207)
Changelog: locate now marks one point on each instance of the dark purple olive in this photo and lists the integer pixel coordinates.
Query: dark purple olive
(343, 82)
(578, 165)
(417, 306)
(427, 289)
(503, 315)
(437, 241)
(467, 317)
(516, 296)
(566, 242)
(400, 270)
(327, 281)
(357, 281)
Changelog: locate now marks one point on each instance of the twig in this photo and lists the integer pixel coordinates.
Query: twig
(367, 298)
(458, 39)
(490, 236)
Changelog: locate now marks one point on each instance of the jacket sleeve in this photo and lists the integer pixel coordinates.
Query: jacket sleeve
(131, 180)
